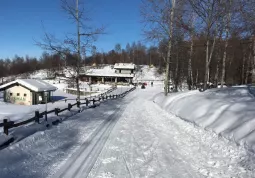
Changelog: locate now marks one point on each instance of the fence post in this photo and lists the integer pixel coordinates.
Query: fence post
(5, 126)
(37, 116)
(56, 111)
(78, 104)
(69, 106)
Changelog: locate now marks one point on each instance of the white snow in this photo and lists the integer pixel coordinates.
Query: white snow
(228, 111)
(147, 73)
(4, 139)
(36, 85)
(106, 71)
(131, 137)
(21, 112)
(124, 66)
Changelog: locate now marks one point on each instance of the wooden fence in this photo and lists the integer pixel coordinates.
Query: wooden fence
(88, 102)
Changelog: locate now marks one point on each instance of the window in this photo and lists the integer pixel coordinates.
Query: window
(25, 95)
(10, 94)
(119, 71)
(18, 94)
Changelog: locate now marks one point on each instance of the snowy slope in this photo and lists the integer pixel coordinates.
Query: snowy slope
(147, 73)
(228, 112)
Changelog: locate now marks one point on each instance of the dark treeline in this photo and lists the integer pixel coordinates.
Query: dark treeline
(21, 65)
(238, 63)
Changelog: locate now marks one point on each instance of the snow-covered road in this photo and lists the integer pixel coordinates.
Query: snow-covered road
(131, 137)
(148, 142)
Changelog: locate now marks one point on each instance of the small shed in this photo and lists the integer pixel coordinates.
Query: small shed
(27, 91)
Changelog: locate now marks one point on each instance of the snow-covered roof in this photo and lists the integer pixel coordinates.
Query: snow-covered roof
(107, 71)
(36, 85)
(124, 66)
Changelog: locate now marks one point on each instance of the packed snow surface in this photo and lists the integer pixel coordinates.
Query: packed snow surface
(129, 137)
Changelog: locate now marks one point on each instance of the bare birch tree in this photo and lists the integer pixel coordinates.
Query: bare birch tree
(247, 13)
(208, 12)
(72, 44)
(227, 21)
(158, 17)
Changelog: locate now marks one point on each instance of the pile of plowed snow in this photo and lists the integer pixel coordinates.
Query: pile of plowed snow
(229, 111)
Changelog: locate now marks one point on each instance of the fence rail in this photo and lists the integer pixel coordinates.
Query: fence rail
(88, 102)
(99, 95)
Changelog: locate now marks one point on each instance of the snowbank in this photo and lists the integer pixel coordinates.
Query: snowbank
(5, 140)
(229, 111)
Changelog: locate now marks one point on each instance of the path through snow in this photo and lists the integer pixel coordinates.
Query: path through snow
(130, 137)
(148, 142)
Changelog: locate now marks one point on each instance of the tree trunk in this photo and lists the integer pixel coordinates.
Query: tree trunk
(197, 78)
(206, 65)
(190, 75)
(225, 50)
(78, 50)
(243, 66)
(169, 46)
(253, 62)
(248, 69)
(176, 71)
(216, 75)
(166, 88)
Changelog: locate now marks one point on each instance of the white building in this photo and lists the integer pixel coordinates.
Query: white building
(120, 72)
(27, 91)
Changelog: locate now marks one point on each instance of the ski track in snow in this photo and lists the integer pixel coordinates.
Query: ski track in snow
(148, 142)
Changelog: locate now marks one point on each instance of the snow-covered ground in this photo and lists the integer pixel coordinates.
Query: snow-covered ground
(129, 137)
(19, 112)
(228, 112)
(147, 73)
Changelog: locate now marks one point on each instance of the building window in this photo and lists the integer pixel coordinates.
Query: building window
(120, 71)
(132, 71)
(25, 95)
(10, 94)
(18, 94)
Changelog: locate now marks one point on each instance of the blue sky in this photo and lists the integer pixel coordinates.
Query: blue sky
(21, 23)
